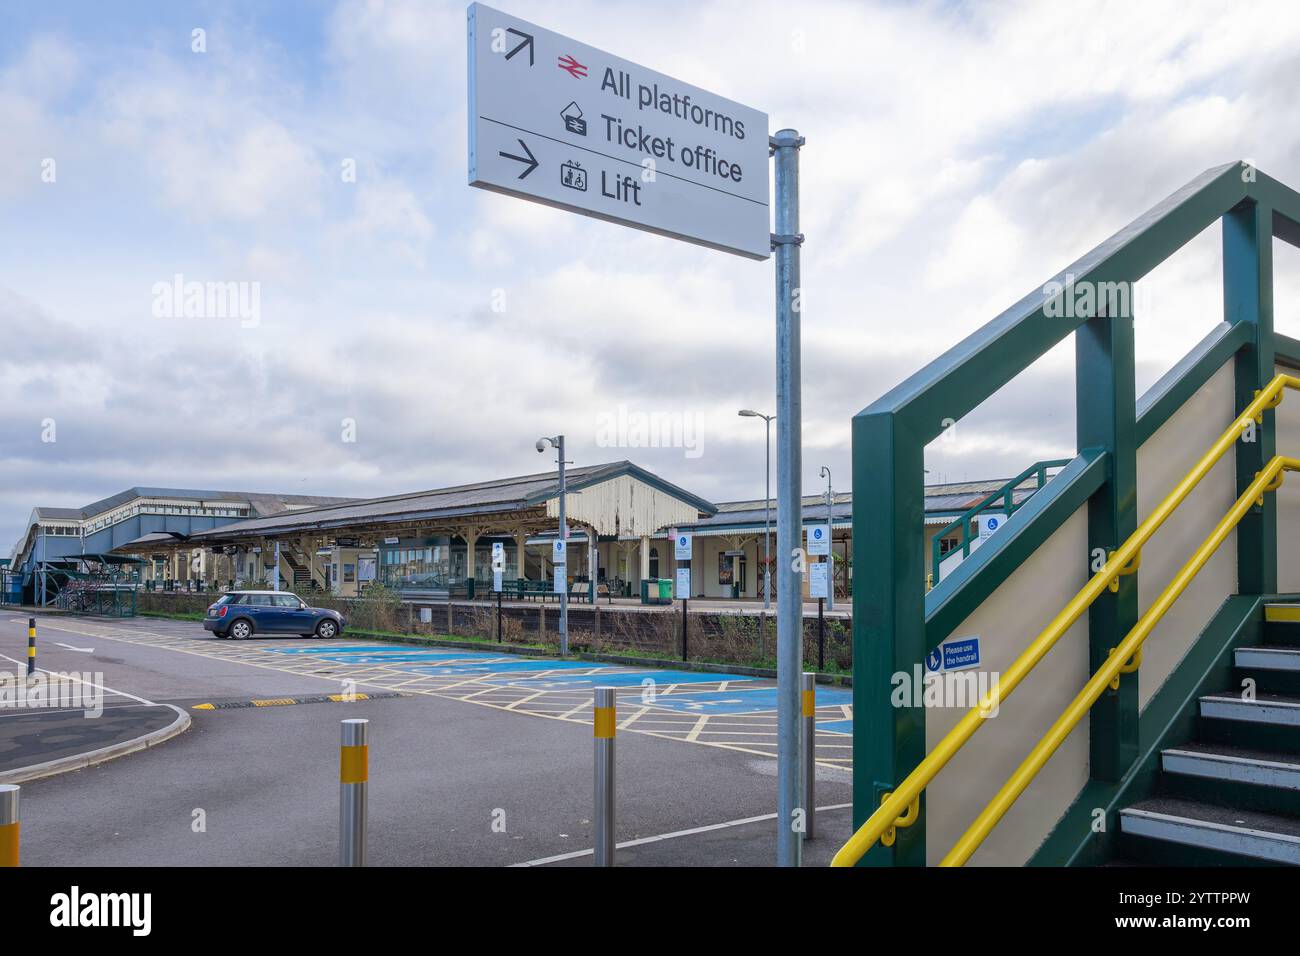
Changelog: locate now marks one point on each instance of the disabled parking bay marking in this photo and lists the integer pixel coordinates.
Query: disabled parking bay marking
(739, 700)
(723, 710)
(617, 679)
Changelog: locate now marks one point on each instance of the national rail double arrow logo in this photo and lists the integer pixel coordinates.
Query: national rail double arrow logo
(529, 159)
(572, 67)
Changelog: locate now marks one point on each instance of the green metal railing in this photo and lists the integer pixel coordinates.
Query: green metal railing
(1009, 506)
(897, 623)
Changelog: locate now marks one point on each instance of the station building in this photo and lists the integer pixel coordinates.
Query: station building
(622, 523)
(58, 541)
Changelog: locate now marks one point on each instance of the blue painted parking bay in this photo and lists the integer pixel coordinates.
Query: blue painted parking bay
(419, 657)
(615, 679)
(837, 726)
(337, 649)
(385, 654)
(494, 667)
(746, 696)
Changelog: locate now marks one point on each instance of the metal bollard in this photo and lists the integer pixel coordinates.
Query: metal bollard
(8, 824)
(809, 775)
(31, 646)
(354, 774)
(604, 733)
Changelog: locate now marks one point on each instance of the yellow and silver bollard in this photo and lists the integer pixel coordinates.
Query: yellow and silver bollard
(8, 824)
(604, 818)
(354, 774)
(809, 775)
(31, 646)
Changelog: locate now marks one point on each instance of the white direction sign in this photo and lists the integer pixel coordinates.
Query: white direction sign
(819, 580)
(562, 123)
(683, 583)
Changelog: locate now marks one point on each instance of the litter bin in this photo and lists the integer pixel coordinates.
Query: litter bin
(665, 591)
(469, 589)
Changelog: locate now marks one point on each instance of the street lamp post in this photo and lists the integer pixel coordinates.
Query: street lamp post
(558, 443)
(830, 535)
(767, 506)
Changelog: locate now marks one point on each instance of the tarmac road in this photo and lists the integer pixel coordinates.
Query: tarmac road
(452, 783)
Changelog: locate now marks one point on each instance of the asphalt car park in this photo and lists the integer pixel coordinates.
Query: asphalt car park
(478, 757)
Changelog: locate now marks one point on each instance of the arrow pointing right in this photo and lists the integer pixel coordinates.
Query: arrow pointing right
(530, 159)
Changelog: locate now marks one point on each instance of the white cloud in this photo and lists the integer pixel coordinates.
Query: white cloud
(957, 157)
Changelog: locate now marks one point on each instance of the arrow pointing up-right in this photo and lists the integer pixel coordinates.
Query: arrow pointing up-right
(527, 41)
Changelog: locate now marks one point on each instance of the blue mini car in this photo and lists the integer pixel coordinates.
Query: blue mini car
(241, 614)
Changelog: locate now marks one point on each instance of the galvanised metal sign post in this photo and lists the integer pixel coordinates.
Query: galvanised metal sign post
(789, 495)
(555, 121)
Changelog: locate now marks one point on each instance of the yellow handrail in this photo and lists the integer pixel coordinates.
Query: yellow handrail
(1121, 561)
(1270, 479)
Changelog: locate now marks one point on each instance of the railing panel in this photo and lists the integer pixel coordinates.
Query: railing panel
(1162, 462)
(1005, 623)
(1288, 502)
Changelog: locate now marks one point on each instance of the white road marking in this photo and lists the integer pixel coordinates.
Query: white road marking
(670, 836)
(83, 650)
(102, 687)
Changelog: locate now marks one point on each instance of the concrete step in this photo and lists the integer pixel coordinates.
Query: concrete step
(1269, 721)
(1277, 709)
(1264, 768)
(1282, 624)
(1217, 831)
(1268, 658)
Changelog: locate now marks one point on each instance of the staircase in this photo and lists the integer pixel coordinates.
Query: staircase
(301, 574)
(1232, 795)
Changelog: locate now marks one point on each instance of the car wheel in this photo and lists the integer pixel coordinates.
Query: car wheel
(241, 630)
(327, 629)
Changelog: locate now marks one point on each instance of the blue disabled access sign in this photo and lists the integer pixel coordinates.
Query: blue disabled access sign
(957, 654)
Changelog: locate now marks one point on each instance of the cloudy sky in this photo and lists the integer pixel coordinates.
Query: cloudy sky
(958, 155)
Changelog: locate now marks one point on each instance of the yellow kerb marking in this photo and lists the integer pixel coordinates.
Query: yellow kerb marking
(9, 844)
(604, 722)
(347, 698)
(204, 707)
(274, 702)
(354, 764)
(1284, 613)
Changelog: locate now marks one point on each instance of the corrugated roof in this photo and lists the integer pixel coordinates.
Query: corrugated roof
(485, 497)
(261, 501)
(942, 502)
(66, 514)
